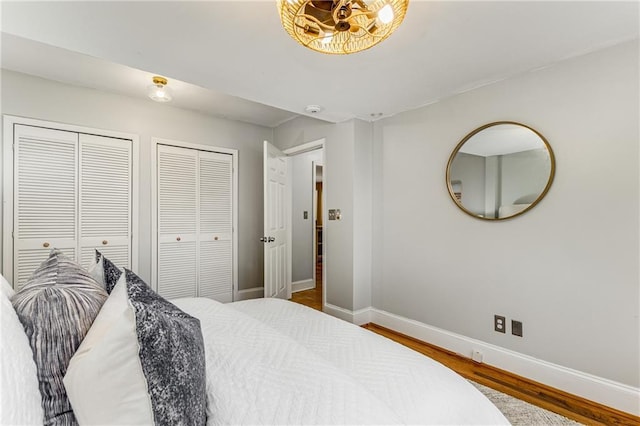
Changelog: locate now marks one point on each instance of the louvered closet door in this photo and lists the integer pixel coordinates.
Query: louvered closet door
(177, 222)
(45, 170)
(215, 220)
(105, 199)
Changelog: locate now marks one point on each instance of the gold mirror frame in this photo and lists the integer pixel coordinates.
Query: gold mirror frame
(458, 202)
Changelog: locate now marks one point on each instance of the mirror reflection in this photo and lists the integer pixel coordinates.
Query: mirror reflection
(500, 170)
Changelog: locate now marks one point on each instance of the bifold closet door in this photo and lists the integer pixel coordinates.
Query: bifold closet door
(215, 257)
(72, 191)
(177, 222)
(105, 199)
(45, 197)
(195, 249)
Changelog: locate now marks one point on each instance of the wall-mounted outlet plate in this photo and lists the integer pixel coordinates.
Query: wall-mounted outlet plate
(516, 328)
(499, 324)
(476, 355)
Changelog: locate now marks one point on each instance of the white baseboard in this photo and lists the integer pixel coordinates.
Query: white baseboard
(302, 285)
(359, 317)
(603, 391)
(249, 293)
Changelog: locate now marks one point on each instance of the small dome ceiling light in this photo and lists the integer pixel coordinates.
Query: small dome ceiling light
(313, 109)
(159, 91)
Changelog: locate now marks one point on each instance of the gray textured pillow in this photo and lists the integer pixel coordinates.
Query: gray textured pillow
(154, 353)
(56, 308)
(110, 273)
(172, 356)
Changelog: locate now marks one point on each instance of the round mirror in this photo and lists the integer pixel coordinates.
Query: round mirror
(500, 170)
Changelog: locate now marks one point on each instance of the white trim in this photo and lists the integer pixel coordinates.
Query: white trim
(249, 293)
(603, 391)
(9, 121)
(155, 141)
(305, 147)
(359, 317)
(302, 285)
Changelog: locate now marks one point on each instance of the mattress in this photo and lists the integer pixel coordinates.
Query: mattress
(271, 361)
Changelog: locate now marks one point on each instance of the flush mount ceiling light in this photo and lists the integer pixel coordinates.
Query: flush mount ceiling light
(159, 91)
(341, 26)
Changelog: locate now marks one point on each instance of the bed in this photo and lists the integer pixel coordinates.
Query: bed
(264, 361)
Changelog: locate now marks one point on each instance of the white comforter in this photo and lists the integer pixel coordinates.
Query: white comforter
(271, 361)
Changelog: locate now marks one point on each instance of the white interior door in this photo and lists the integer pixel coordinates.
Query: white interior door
(105, 184)
(277, 282)
(177, 222)
(215, 244)
(45, 182)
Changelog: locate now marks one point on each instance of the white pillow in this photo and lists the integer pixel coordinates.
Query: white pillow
(105, 272)
(21, 403)
(142, 359)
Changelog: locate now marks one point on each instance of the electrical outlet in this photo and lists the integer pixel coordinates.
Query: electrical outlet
(499, 324)
(476, 355)
(516, 328)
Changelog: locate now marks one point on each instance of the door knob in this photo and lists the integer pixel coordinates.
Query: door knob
(263, 239)
(271, 239)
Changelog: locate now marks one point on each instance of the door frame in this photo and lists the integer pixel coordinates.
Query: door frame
(7, 210)
(155, 141)
(314, 216)
(301, 149)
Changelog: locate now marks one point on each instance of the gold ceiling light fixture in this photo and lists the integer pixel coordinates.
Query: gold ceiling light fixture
(159, 91)
(341, 26)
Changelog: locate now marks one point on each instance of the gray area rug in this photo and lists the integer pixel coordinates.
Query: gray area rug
(519, 412)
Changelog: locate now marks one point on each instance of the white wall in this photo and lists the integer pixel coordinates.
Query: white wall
(569, 268)
(32, 97)
(363, 214)
(303, 187)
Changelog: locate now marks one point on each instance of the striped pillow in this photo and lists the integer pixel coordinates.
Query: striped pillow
(56, 308)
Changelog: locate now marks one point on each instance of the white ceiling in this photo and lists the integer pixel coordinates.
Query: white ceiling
(233, 58)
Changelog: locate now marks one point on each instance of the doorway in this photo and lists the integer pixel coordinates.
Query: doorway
(307, 229)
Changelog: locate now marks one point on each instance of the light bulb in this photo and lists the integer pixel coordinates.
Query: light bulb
(327, 38)
(385, 15)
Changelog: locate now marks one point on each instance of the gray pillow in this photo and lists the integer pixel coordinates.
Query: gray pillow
(110, 272)
(56, 308)
(171, 354)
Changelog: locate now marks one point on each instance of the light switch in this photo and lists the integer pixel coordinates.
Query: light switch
(305, 215)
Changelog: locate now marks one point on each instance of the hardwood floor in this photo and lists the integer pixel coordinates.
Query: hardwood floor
(571, 406)
(311, 298)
